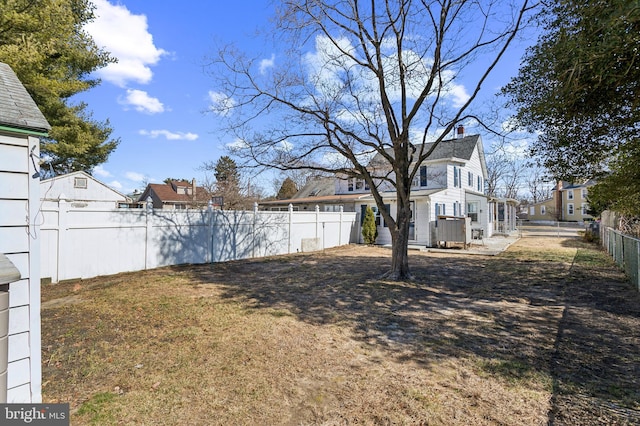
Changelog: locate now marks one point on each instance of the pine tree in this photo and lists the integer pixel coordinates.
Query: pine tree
(287, 189)
(45, 45)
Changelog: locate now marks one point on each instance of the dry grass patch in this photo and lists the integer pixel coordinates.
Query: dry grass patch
(312, 339)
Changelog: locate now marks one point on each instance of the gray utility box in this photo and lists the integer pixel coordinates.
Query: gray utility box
(8, 274)
(453, 229)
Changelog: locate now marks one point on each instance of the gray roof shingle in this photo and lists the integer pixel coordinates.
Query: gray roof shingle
(17, 108)
(461, 148)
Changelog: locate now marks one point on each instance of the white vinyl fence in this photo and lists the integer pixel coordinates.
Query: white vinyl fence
(81, 243)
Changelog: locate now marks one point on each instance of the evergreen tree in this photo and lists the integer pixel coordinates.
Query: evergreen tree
(369, 228)
(226, 170)
(44, 43)
(287, 190)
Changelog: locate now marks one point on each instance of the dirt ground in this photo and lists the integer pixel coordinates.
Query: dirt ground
(546, 333)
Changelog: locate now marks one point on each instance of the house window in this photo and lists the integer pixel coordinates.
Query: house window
(423, 175)
(543, 210)
(584, 194)
(570, 194)
(532, 210)
(585, 209)
(179, 206)
(479, 184)
(80, 182)
(472, 211)
(359, 184)
(470, 178)
(456, 177)
(570, 209)
(350, 185)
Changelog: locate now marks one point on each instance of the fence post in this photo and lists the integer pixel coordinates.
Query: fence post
(147, 237)
(340, 229)
(253, 229)
(317, 210)
(290, 227)
(63, 209)
(210, 230)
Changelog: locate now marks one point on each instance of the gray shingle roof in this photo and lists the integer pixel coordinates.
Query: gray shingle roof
(17, 108)
(461, 148)
(317, 187)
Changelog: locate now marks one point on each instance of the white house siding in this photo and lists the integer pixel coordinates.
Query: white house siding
(19, 231)
(474, 165)
(483, 213)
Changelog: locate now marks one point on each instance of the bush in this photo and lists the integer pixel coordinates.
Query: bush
(369, 228)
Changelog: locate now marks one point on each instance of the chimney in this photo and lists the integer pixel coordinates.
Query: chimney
(193, 188)
(460, 131)
(559, 202)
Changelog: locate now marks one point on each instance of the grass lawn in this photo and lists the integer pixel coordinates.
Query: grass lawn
(515, 339)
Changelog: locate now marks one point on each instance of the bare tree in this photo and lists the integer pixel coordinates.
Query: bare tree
(539, 184)
(362, 79)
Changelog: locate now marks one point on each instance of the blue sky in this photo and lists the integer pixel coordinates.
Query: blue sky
(157, 95)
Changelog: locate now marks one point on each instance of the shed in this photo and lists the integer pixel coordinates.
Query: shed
(21, 126)
(81, 190)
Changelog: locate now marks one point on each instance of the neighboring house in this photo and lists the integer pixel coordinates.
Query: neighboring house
(81, 190)
(21, 126)
(543, 211)
(569, 203)
(448, 184)
(176, 195)
(323, 192)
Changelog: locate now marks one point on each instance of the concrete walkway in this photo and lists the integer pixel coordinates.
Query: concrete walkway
(486, 247)
(499, 243)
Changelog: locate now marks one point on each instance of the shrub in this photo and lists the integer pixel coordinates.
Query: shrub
(369, 228)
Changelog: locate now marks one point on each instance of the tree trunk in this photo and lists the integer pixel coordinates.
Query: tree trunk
(400, 242)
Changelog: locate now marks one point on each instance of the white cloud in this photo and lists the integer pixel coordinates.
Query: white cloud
(267, 63)
(237, 145)
(135, 176)
(221, 104)
(172, 136)
(115, 185)
(100, 171)
(284, 146)
(127, 38)
(142, 102)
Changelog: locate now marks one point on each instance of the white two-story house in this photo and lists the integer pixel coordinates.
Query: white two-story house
(450, 183)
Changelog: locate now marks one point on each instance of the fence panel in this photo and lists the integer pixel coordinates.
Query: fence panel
(625, 251)
(81, 243)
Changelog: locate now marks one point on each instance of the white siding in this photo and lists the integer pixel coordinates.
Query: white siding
(19, 201)
(96, 195)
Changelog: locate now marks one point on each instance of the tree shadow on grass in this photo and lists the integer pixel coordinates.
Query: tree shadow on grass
(520, 319)
(455, 306)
